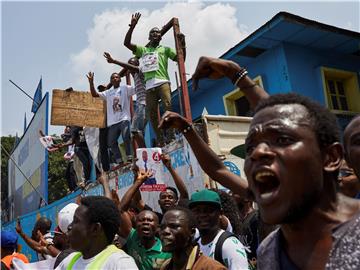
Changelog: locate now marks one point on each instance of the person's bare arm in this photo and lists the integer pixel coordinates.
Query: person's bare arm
(42, 134)
(47, 247)
(104, 181)
(28, 240)
(126, 224)
(127, 41)
(125, 65)
(126, 199)
(177, 179)
(137, 199)
(67, 143)
(90, 77)
(215, 68)
(208, 160)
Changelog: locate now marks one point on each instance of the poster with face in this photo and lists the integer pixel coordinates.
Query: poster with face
(150, 161)
(149, 62)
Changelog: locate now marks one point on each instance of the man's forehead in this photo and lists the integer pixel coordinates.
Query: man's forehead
(167, 192)
(147, 213)
(286, 115)
(155, 29)
(175, 216)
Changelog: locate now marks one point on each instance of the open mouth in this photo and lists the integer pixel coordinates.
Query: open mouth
(267, 185)
(145, 230)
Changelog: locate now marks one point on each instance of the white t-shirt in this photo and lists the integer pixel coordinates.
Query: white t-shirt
(117, 103)
(233, 252)
(117, 261)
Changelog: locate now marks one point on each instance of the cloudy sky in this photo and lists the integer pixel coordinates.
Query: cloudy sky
(62, 41)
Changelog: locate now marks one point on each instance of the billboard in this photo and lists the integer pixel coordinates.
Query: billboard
(31, 160)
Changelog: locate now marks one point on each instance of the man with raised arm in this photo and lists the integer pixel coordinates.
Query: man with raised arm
(141, 242)
(154, 64)
(117, 112)
(42, 225)
(139, 119)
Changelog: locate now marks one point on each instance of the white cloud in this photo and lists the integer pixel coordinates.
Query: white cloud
(210, 29)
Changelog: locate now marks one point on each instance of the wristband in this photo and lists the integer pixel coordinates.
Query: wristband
(187, 129)
(239, 75)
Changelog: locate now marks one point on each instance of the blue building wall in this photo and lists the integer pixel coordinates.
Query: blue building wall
(273, 69)
(271, 66)
(285, 68)
(304, 68)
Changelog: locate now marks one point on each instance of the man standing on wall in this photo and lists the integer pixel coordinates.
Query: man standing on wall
(154, 64)
(118, 113)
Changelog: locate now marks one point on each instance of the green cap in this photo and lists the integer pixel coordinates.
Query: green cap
(205, 196)
(239, 151)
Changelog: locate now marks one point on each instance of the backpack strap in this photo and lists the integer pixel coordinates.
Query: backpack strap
(218, 247)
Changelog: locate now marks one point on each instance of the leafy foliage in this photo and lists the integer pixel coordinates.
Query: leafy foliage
(57, 184)
(8, 143)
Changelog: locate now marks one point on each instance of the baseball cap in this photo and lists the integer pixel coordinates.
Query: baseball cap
(205, 196)
(239, 151)
(9, 239)
(66, 216)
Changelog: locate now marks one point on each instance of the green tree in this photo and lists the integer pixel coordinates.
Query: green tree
(57, 185)
(8, 143)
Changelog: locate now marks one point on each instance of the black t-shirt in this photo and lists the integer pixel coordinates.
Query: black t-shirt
(78, 136)
(249, 233)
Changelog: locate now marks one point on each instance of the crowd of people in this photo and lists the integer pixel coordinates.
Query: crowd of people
(297, 209)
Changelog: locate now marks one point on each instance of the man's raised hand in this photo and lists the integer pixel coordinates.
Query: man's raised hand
(166, 160)
(134, 19)
(213, 68)
(173, 120)
(108, 57)
(90, 76)
(18, 227)
(142, 176)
